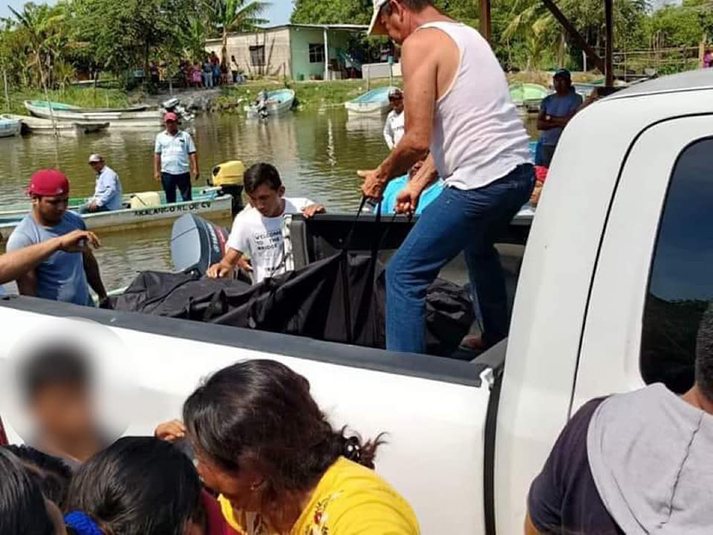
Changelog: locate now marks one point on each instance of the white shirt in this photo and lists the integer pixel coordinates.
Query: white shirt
(394, 128)
(175, 151)
(263, 239)
(478, 136)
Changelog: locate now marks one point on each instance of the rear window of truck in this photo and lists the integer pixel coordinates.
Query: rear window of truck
(681, 278)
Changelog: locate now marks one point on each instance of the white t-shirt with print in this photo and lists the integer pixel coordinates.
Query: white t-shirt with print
(263, 239)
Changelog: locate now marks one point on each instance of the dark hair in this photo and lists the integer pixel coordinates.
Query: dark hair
(22, 506)
(50, 473)
(704, 354)
(51, 363)
(259, 174)
(260, 414)
(138, 486)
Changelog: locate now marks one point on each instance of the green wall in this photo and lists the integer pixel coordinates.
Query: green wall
(301, 38)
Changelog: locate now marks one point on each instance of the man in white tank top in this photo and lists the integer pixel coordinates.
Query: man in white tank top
(457, 106)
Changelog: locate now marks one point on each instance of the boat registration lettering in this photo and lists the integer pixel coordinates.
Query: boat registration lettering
(176, 208)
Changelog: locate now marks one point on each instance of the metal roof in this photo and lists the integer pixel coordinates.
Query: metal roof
(686, 81)
(344, 27)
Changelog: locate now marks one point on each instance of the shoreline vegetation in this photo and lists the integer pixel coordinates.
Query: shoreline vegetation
(310, 96)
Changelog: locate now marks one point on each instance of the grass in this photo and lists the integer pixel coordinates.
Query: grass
(84, 97)
(309, 95)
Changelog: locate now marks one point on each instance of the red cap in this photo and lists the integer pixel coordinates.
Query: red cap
(170, 116)
(48, 183)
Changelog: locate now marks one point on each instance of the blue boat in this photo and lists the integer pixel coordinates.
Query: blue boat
(278, 102)
(375, 101)
(9, 127)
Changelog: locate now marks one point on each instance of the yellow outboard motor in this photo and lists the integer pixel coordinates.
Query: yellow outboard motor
(229, 177)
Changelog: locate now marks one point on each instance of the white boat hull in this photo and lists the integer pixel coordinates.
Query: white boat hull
(144, 217)
(10, 129)
(116, 119)
(371, 108)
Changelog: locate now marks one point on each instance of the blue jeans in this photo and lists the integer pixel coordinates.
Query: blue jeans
(458, 220)
(171, 182)
(208, 80)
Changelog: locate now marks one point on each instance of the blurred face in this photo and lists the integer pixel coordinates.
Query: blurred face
(397, 104)
(172, 127)
(267, 201)
(562, 85)
(63, 411)
(51, 209)
(241, 487)
(396, 21)
(97, 166)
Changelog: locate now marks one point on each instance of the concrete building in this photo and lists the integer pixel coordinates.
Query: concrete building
(298, 51)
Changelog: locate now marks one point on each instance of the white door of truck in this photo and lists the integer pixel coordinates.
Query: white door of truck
(653, 276)
(433, 410)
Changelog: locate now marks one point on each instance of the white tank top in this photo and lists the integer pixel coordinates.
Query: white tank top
(478, 136)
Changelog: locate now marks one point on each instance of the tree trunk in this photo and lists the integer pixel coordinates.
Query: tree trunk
(224, 48)
(147, 49)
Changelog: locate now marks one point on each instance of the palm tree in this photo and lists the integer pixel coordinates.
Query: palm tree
(236, 16)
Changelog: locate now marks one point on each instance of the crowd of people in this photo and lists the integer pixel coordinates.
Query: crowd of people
(207, 74)
(253, 454)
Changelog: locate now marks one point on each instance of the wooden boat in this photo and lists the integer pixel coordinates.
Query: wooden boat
(115, 118)
(528, 96)
(375, 102)
(140, 210)
(37, 126)
(9, 127)
(278, 102)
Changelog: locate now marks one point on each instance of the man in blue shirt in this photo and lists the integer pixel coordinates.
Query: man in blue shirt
(107, 192)
(175, 159)
(555, 112)
(64, 275)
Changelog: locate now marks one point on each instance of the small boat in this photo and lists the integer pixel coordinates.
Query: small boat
(278, 102)
(35, 125)
(528, 96)
(59, 106)
(9, 127)
(375, 101)
(139, 210)
(115, 118)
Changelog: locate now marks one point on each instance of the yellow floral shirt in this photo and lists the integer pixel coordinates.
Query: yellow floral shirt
(349, 500)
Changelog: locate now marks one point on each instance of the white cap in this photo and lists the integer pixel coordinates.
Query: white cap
(376, 28)
(96, 158)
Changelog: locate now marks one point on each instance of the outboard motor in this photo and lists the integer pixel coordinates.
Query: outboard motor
(197, 244)
(174, 105)
(229, 177)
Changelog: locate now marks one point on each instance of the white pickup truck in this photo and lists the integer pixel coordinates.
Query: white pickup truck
(616, 273)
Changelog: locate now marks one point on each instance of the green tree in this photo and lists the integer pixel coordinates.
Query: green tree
(236, 16)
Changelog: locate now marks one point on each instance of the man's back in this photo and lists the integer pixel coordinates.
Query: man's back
(632, 463)
(61, 277)
(478, 135)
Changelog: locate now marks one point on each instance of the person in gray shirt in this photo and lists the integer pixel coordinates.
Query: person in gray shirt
(107, 192)
(64, 275)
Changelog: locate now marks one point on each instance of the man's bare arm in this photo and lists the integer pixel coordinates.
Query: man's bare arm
(157, 167)
(422, 55)
(530, 528)
(91, 268)
(15, 264)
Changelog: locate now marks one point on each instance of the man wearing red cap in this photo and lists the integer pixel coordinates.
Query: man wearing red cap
(175, 159)
(66, 273)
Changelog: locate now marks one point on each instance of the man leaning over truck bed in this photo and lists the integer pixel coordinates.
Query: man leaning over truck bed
(634, 463)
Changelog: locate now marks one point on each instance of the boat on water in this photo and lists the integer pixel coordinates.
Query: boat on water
(139, 210)
(9, 127)
(278, 102)
(116, 118)
(37, 126)
(528, 96)
(374, 102)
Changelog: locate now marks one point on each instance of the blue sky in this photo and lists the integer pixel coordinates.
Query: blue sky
(279, 12)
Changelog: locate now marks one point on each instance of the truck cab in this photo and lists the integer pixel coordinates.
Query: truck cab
(614, 280)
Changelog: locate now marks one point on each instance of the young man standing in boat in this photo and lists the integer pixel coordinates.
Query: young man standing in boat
(107, 192)
(258, 231)
(175, 160)
(67, 273)
(457, 106)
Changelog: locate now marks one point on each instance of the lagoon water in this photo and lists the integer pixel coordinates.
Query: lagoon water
(317, 154)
